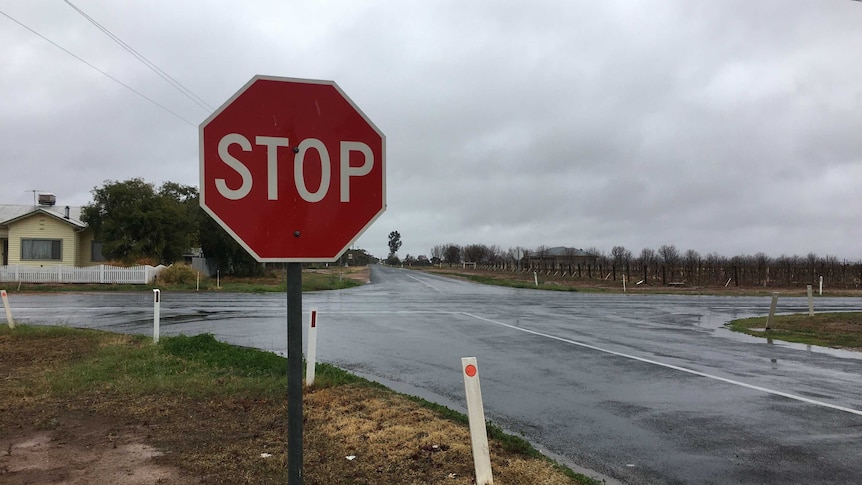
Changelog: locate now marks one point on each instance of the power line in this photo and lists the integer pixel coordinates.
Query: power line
(140, 57)
(121, 83)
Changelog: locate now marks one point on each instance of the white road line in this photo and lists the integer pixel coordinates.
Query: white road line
(669, 366)
(423, 282)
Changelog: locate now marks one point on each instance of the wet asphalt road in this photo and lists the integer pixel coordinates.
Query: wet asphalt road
(644, 389)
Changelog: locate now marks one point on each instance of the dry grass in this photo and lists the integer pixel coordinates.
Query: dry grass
(90, 391)
(396, 442)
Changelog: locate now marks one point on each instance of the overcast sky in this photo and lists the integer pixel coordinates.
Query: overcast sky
(726, 126)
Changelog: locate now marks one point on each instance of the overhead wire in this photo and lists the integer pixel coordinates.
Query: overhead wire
(121, 83)
(140, 57)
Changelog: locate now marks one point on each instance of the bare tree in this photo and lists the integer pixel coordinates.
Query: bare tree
(669, 254)
(621, 255)
(476, 253)
(495, 254)
(692, 258)
(647, 256)
(715, 259)
(601, 257)
(438, 252)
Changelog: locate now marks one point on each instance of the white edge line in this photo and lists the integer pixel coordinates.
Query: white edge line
(670, 366)
(423, 282)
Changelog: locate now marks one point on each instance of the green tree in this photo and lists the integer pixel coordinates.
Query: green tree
(136, 222)
(394, 243)
(230, 257)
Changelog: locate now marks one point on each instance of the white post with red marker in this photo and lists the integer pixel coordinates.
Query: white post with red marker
(476, 417)
(157, 303)
(8, 310)
(311, 355)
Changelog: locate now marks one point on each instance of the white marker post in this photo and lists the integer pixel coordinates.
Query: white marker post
(772, 311)
(536, 278)
(311, 356)
(157, 297)
(8, 309)
(624, 283)
(821, 286)
(810, 301)
(476, 417)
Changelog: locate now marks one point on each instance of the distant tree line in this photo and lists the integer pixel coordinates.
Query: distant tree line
(664, 265)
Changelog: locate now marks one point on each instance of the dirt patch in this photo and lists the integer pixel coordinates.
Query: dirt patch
(82, 450)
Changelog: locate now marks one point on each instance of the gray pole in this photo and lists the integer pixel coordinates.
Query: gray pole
(772, 311)
(294, 373)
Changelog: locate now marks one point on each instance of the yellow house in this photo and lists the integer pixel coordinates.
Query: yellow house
(45, 235)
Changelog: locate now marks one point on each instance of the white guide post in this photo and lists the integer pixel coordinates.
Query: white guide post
(821, 286)
(536, 278)
(810, 301)
(476, 417)
(624, 283)
(311, 355)
(157, 297)
(772, 311)
(8, 309)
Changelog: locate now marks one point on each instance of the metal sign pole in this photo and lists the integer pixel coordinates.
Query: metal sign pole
(294, 373)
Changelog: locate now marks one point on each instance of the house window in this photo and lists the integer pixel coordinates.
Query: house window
(42, 249)
(96, 252)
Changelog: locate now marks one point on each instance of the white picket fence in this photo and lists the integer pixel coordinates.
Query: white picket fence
(135, 275)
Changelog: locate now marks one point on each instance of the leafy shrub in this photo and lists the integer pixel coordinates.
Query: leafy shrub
(178, 274)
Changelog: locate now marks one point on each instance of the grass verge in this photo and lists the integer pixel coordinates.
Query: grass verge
(219, 413)
(598, 284)
(837, 330)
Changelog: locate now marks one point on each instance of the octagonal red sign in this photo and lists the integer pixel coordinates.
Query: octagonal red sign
(292, 169)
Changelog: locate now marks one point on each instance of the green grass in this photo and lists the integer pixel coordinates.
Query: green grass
(192, 365)
(838, 330)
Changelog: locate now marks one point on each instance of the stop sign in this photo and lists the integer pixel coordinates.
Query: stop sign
(292, 169)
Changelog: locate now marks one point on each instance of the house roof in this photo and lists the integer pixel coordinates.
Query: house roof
(563, 251)
(10, 213)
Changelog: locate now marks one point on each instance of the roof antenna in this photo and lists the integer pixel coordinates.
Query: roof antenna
(35, 191)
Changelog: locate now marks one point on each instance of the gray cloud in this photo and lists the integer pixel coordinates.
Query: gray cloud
(719, 126)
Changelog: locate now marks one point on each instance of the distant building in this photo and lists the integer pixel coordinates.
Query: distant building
(45, 234)
(558, 258)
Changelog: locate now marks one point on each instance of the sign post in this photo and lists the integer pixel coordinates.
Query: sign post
(476, 420)
(157, 303)
(771, 315)
(294, 373)
(295, 172)
(5, 298)
(311, 354)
